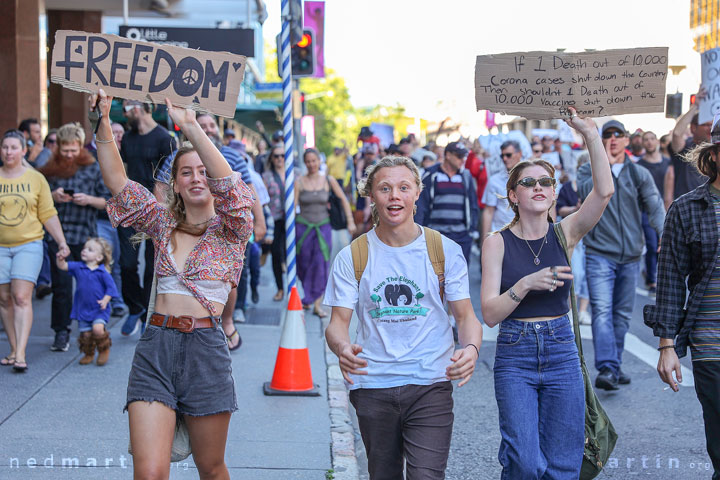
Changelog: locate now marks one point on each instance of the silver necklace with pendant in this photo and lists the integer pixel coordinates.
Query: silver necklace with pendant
(537, 260)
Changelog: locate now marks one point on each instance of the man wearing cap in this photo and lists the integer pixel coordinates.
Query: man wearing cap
(681, 177)
(497, 212)
(448, 202)
(613, 249)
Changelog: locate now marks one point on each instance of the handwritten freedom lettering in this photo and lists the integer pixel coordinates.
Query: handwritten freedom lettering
(542, 85)
(203, 81)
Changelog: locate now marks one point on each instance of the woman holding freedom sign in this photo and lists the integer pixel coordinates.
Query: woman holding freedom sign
(526, 283)
(200, 235)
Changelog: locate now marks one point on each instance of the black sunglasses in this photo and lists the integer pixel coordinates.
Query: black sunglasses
(613, 133)
(530, 182)
(507, 155)
(282, 155)
(537, 151)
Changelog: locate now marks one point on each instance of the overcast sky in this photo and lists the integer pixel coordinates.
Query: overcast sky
(421, 53)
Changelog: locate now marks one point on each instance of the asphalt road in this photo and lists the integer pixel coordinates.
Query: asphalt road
(661, 433)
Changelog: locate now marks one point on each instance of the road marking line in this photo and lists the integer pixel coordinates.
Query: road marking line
(633, 345)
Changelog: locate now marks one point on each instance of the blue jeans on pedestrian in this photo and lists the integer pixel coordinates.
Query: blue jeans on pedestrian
(612, 297)
(651, 256)
(541, 400)
(578, 271)
(109, 233)
(251, 269)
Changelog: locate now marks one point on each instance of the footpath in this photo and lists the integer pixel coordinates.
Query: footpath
(62, 420)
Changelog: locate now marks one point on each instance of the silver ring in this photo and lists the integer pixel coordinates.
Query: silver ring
(573, 115)
(553, 285)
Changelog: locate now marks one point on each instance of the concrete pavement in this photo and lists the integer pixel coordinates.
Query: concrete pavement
(61, 420)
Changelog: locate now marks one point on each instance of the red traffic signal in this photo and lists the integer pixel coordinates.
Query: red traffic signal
(302, 55)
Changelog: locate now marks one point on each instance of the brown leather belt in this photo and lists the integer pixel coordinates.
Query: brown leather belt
(184, 323)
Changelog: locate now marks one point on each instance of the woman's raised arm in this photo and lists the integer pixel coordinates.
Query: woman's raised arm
(111, 164)
(576, 225)
(215, 164)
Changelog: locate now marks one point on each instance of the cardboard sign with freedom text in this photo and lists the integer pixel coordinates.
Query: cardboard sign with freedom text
(542, 85)
(149, 72)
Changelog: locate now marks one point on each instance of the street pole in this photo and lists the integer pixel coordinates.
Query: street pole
(287, 84)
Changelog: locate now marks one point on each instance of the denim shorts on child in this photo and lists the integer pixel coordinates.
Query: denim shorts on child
(22, 262)
(85, 326)
(189, 372)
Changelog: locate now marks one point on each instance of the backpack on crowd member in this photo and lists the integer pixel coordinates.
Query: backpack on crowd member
(433, 240)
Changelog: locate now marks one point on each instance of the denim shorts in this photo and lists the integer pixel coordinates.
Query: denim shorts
(22, 262)
(85, 326)
(189, 372)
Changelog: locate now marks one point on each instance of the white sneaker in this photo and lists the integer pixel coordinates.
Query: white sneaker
(238, 316)
(585, 318)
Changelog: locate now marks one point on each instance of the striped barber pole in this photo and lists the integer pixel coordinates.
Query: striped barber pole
(286, 73)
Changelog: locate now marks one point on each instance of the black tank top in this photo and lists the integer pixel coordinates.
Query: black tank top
(518, 261)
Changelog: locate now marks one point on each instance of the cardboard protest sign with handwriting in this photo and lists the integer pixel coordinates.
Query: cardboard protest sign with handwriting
(203, 81)
(543, 85)
(709, 104)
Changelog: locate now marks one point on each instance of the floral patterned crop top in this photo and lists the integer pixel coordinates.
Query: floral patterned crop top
(219, 253)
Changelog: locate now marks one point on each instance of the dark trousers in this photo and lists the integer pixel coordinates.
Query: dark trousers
(244, 277)
(707, 386)
(44, 276)
(651, 256)
(413, 422)
(278, 252)
(62, 288)
(464, 240)
(135, 296)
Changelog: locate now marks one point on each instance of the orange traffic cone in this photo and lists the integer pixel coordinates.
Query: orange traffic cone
(292, 374)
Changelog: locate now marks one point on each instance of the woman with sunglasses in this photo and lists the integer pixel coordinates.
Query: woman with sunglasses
(26, 206)
(274, 178)
(526, 284)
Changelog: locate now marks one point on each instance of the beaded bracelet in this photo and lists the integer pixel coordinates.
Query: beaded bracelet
(97, 140)
(665, 347)
(514, 295)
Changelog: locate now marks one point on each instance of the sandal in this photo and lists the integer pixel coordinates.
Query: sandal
(278, 296)
(306, 307)
(20, 367)
(8, 361)
(230, 340)
(320, 313)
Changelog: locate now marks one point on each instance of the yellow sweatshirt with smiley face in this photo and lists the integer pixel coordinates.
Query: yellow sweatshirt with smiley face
(25, 205)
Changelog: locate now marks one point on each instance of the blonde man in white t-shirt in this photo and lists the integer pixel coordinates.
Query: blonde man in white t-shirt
(400, 369)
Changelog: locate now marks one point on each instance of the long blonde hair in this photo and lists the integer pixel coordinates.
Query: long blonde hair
(365, 185)
(512, 184)
(107, 260)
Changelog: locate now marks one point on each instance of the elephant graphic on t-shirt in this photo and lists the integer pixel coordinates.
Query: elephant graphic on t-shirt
(394, 292)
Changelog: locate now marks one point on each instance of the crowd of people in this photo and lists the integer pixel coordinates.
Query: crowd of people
(206, 214)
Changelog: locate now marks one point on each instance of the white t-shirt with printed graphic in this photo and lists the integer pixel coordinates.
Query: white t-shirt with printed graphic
(403, 327)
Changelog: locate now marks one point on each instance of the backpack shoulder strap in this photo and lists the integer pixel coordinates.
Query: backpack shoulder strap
(433, 240)
(359, 251)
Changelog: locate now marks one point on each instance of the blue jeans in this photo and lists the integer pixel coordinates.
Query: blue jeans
(106, 231)
(578, 271)
(612, 297)
(251, 267)
(651, 256)
(541, 400)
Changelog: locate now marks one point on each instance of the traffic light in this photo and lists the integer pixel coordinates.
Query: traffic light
(673, 105)
(302, 55)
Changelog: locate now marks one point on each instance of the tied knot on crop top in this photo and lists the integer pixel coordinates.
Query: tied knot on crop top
(213, 290)
(518, 261)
